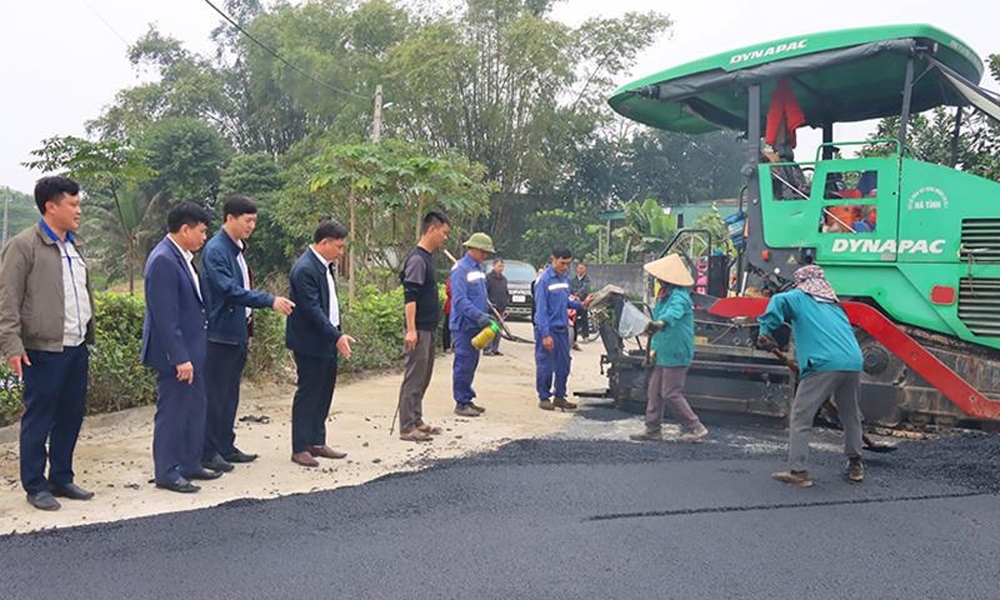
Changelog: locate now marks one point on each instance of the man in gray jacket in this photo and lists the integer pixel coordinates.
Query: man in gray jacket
(46, 322)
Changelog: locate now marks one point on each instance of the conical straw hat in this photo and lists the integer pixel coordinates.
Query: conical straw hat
(670, 268)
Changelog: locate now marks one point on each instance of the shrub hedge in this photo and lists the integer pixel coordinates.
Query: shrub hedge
(377, 323)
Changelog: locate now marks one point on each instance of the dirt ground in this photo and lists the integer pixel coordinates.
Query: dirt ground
(114, 456)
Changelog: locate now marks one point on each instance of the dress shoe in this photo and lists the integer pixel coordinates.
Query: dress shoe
(217, 463)
(71, 491)
(326, 452)
(203, 475)
(238, 456)
(304, 459)
(44, 500)
(181, 486)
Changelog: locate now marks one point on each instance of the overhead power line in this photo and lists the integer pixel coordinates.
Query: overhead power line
(106, 24)
(282, 59)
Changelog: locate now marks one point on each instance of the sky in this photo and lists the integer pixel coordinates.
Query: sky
(62, 61)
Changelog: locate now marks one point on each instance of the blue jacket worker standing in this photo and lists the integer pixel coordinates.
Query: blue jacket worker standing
(830, 361)
(227, 282)
(469, 315)
(672, 350)
(551, 319)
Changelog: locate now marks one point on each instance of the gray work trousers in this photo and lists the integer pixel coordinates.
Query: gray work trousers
(814, 389)
(665, 391)
(416, 378)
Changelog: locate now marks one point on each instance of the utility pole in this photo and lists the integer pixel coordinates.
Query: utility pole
(6, 204)
(352, 265)
(377, 117)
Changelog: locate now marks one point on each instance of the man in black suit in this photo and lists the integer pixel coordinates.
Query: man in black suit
(313, 335)
(174, 342)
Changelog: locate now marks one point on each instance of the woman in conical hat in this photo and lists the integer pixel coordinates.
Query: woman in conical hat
(672, 349)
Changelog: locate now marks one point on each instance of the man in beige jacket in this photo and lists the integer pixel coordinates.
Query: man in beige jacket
(46, 322)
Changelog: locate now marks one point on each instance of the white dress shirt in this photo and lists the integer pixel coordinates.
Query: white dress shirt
(334, 303)
(76, 301)
(244, 269)
(189, 258)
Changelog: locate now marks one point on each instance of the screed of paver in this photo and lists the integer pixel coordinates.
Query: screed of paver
(114, 456)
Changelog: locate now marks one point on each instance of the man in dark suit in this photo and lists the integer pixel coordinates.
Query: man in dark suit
(174, 341)
(227, 284)
(313, 335)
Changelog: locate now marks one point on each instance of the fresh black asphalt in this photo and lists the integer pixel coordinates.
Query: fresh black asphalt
(566, 518)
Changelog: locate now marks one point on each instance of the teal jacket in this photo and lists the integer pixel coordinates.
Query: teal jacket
(824, 339)
(674, 344)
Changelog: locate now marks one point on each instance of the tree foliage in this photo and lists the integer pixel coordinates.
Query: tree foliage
(187, 155)
(498, 81)
(384, 189)
(930, 137)
(494, 100)
(262, 178)
(187, 85)
(712, 221)
(111, 172)
(510, 87)
(21, 210)
(647, 230)
(557, 227)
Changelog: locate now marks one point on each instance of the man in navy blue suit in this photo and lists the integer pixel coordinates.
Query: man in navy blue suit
(227, 284)
(174, 342)
(313, 335)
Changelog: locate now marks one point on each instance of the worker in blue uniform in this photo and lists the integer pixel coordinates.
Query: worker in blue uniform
(552, 358)
(469, 315)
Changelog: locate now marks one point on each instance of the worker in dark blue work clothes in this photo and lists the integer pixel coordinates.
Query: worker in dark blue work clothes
(469, 315)
(552, 304)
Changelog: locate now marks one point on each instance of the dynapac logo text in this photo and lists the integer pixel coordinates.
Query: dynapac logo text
(769, 51)
(869, 246)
